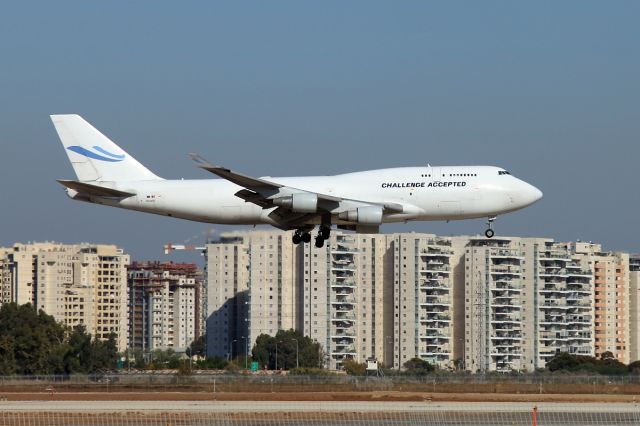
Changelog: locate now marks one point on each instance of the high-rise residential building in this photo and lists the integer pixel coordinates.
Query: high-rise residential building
(500, 304)
(342, 298)
(565, 302)
(494, 319)
(251, 291)
(165, 305)
(78, 284)
(612, 298)
(426, 281)
(526, 300)
(634, 308)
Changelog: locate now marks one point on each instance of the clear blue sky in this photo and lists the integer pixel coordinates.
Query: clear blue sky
(549, 90)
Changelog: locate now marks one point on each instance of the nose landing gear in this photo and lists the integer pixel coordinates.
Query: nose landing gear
(489, 232)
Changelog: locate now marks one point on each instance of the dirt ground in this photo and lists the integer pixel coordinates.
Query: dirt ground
(312, 396)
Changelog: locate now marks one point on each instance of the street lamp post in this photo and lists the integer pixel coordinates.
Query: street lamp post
(246, 353)
(231, 348)
(386, 350)
(297, 360)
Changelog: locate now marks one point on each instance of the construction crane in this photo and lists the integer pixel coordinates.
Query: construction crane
(168, 248)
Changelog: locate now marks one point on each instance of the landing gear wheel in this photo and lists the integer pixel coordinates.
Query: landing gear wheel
(319, 241)
(489, 232)
(306, 237)
(296, 239)
(324, 232)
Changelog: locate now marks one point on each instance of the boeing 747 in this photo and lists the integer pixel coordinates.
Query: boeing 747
(358, 201)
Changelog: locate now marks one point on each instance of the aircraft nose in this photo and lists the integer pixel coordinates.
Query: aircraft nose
(530, 194)
(537, 194)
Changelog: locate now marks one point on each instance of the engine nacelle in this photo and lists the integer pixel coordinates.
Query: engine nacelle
(363, 215)
(303, 202)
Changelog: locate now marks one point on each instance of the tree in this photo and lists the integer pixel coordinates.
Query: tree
(607, 355)
(634, 367)
(290, 347)
(605, 365)
(418, 367)
(198, 347)
(354, 368)
(34, 338)
(7, 358)
(34, 343)
(213, 363)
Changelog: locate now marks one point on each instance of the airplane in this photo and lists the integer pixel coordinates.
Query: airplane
(358, 201)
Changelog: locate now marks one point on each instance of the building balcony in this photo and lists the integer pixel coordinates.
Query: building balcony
(435, 318)
(344, 315)
(348, 351)
(505, 270)
(435, 270)
(435, 300)
(506, 254)
(435, 291)
(344, 249)
(435, 308)
(435, 334)
(343, 283)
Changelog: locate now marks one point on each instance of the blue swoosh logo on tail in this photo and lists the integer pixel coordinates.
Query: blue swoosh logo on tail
(108, 156)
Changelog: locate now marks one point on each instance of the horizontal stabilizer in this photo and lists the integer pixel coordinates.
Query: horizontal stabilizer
(95, 190)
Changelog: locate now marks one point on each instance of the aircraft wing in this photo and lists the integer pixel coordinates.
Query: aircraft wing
(257, 189)
(255, 184)
(267, 194)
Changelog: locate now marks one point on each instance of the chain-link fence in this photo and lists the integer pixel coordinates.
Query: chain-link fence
(348, 414)
(449, 383)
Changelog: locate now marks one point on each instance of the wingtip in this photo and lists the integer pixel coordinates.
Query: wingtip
(200, 160)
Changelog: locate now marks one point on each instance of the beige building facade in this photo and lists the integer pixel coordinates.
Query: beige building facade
(467, 302)
(78, 284)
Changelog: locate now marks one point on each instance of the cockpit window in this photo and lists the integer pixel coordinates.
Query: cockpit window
(503, 172)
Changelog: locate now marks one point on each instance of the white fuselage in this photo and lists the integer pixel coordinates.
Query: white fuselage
(425, 193)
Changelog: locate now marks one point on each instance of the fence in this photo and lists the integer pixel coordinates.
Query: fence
(347, 414)
(450, 383)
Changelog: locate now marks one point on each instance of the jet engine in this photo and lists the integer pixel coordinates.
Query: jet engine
(303, 202)
(371, 215)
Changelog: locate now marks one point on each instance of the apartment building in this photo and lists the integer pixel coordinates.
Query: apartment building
(634, 308)
(612, 300)
(165, 305)
(494, 298)
(565, 302)
(343, 296)
(426, 281)
(465, 302)
(75, 283)
(251, 291)
(527, 299)
(227, 282)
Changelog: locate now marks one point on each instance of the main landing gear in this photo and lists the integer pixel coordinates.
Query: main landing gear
(323, 234)
(489, 232)
(303, 235)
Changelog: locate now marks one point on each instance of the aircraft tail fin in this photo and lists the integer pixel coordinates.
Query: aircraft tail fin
(94, 157)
